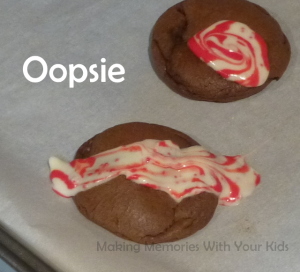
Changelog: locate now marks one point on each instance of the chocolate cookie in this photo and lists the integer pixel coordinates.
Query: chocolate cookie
(188, 75)
(136, 212)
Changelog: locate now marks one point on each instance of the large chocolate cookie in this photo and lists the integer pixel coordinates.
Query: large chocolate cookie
(185, 73)
(136, 212)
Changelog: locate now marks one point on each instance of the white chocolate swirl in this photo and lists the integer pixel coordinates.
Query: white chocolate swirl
(161, 165)
(233, 50)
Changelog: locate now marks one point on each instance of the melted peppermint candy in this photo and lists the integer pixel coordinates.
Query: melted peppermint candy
(235, 51)
(160, 165)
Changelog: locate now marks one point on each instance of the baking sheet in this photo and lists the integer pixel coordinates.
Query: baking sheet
(39, 120)
(18, 257)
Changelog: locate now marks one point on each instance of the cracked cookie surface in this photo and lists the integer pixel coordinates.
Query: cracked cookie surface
(184, 73)
(136, 212)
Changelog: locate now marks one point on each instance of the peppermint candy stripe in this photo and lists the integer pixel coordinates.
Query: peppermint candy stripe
(161, 165)
(235, 51)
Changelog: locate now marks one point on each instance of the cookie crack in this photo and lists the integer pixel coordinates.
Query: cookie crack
(167, 229)
(166, 70)
(181, 30)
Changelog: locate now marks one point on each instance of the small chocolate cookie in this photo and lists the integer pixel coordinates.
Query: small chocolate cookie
(190, 77)
(136, 212)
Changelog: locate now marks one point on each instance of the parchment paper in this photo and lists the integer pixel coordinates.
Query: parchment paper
(39, 120)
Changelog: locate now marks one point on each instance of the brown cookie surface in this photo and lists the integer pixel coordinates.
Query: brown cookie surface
(190, 77)
(136, 212)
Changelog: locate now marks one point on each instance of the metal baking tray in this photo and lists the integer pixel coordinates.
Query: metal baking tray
(18, 256)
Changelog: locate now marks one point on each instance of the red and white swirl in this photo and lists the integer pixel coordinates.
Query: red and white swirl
(161, 165)
(235, 51)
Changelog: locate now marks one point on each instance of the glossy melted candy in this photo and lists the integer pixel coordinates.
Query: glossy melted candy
(161, 165)
(234, 50)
